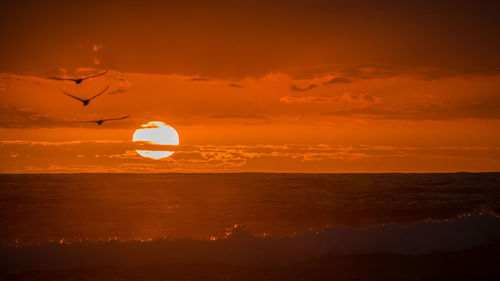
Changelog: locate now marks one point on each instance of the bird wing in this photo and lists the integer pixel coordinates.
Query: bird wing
(87, 121)
(93, 76)
(119, 118)
(70, 95)
(62, 79)
(102, 92)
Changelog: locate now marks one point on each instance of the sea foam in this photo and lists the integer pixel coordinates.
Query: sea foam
(239, 246)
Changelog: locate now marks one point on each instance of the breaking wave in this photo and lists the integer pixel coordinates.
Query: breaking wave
(239, 246)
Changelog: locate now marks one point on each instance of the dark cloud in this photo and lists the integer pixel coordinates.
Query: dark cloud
(18, 118)
(11, 117)
(295, 88)
(347, 74)
(337, 80)
(361, 97)
(486, 109)
(236, 85)
(383, 72)
(245, 40)
(368, 97)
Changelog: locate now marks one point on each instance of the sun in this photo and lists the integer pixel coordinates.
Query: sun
(156, 132)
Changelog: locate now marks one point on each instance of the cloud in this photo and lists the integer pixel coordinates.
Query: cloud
(116, 156)
(343, 74)
(368, 97)
(307, 99)
(486, 109)
(11, 117)
(199, 79)
(236, 86)
(22, 78)
(239, 116)
(17, 118)
(201, 49)
(337, 80)
(345, 98)
(96, 47)
(295, 88)
(117, 91)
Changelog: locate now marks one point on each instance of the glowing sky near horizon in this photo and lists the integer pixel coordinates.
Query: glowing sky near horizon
(273, 86)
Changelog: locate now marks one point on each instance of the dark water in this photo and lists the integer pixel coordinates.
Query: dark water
(249, 226)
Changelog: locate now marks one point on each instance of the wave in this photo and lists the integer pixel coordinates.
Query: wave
(239, 246)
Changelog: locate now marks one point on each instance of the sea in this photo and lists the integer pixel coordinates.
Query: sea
(250, 226)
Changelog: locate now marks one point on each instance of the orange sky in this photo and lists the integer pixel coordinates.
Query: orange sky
(272, 86)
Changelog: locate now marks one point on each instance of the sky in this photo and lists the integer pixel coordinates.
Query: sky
(252, 86)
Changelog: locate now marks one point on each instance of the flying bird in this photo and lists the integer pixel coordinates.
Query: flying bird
(100, 121)
(79, 80)
(86, 101)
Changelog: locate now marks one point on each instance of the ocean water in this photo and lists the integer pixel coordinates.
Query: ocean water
(250, 226)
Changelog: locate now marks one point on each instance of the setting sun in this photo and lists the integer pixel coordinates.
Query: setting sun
(156, 132)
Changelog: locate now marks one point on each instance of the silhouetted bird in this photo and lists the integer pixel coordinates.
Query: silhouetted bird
(79, 80)
(100, 121)
(86, 101)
